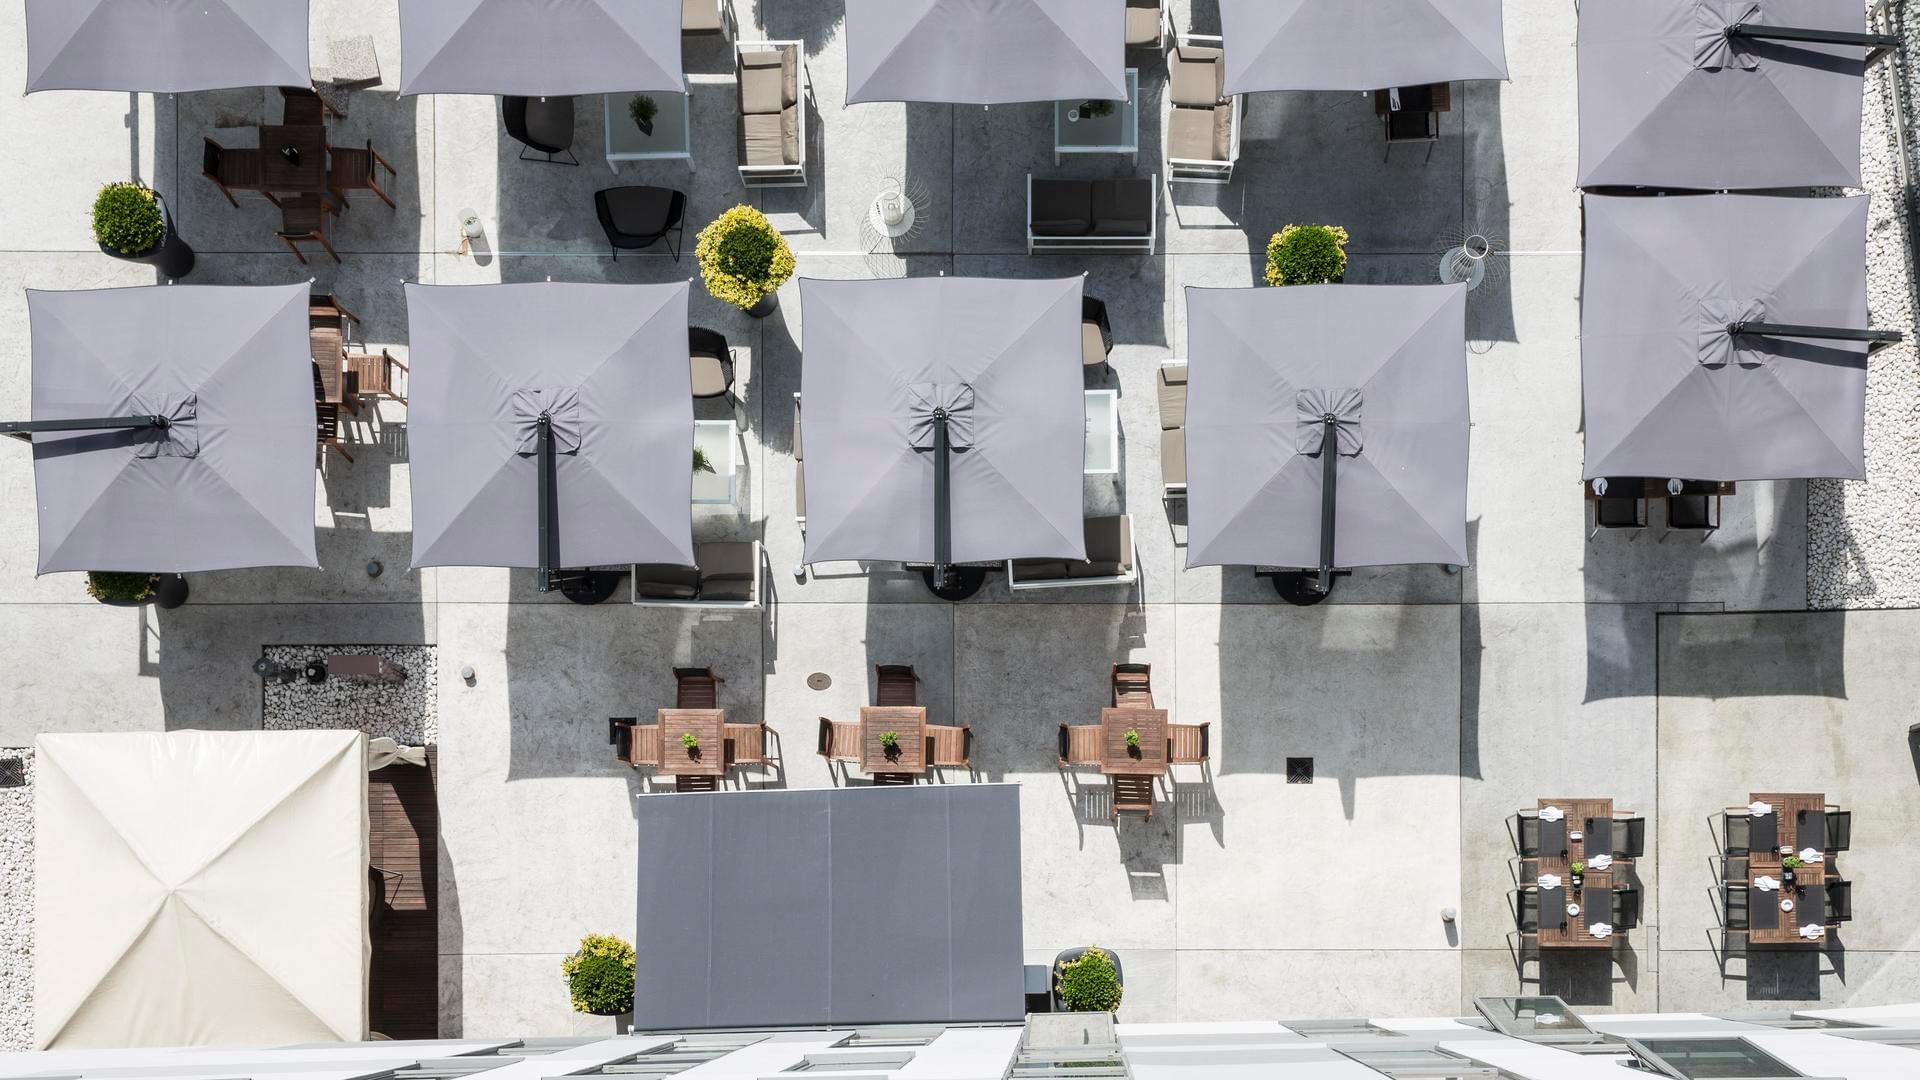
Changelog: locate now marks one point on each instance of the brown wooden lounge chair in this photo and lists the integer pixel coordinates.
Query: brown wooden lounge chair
(1187, 743)
(1132, 795)
(1132, 686)
(696, 688)
(371, 374)
(233, 170)
(895, 685)
(746, 744)
(950, 746)
(839, 742)
(305, 217)
(353, 170)
(1079, 744)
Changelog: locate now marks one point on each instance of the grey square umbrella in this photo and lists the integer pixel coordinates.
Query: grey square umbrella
(971, 384)
(1359, 44)
(1277, 376)
(986, 52)
(592, 381)
(166, 46)
(173, 428)
(530, 48)
(1719, 94)
(1723, 337)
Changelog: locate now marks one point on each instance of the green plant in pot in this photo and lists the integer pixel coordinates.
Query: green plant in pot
(744, 260)
(1133, 742)
(689, 740)
(130, 222)
(1577, 870)
(1093, 110)
(1087, 980)
(600, 976)
(119, 589)
(1307, 255)
(890, 743)
(643, 109)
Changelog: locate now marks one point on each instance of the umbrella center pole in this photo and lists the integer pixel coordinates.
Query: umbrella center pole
(24, 430)
(1876, 339)
(549, 553)
(942, 501)
(1329, 474)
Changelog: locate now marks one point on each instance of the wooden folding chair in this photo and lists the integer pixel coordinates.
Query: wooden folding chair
(635, 743)
(1079, 744)
(696, 688)
(305, 217)
(371, 374)
(696, 783)
(233, 170)
(839, 742)
(1133, 686)
(746, 744)
(303, 106)
(353, 170)
(1187, 743)
(895, 684)
(892, 779)
(1132, 795)
(951, 746)
(327, 428)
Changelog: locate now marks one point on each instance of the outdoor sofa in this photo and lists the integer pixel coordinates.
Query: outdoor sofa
(773, 113)
(1111, 560)
(1171, 385)
(1203, 124)
(1118, 216)
(728, 576)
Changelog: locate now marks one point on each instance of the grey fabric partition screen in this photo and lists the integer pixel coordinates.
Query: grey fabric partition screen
(1668, 100)
(222, 476)
(533, 48)
(1359, 44)
(837, 906)
(985, 52)
(1670, 390)
(165, 46)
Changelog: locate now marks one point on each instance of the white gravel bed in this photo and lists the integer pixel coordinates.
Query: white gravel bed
(1863, 538)
(407, 712)
(16, 907)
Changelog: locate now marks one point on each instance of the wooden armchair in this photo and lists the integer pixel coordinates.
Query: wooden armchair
(746, 744)
(1187, 743)
(371, 374)
(896, 684)
(305, 217)
(950, 746)
(635, 743)
(1079, 744)
(839, 742)
(696, 783)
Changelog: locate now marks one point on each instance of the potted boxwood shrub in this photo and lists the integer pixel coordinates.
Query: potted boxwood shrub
(643, 109)
(1307, 255)
(744, 260)
(117, 589)
(600, 976)
(1087, 980)
(131, 222)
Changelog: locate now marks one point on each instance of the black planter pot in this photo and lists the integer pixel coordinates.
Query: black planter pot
(1067, 955)
(767, 305)
(169, 592)
(962, 582)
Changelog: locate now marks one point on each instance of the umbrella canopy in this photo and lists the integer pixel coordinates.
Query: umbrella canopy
(1667, 100)
(1268, 365)
(1002, 357)
(986, 52)
(229, 482)
(1359, 44)
(1669, 392)
(200, 887)
(530, 48)
(608, 364)
(165, 46)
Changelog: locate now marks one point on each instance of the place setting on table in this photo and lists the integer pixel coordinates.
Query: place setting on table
(1575, 910)
(1787, 874)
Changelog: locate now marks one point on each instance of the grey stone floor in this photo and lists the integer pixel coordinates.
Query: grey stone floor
(1434, 705)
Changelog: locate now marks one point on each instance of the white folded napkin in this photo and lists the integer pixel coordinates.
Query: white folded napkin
(1756, 808)
(1600, 862)
(1813, 930)
(1551, 813)
(1601, 930)
(1549, 881)
(1810, 855)
(1765, 883)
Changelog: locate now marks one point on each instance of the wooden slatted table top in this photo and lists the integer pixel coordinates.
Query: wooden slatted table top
(706, 725)
(909, 724)
(277, 174)
(1786, 809)
(1117, 758)
(1574, 935)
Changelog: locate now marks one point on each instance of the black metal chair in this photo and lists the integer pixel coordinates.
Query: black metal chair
(1839, 830)
(1619, 511)
(712, 363)
(1096, 332)
(1529, 835)
(1733, 905)
(1693, 512)
(1735, 832)
(543, 125)
(1526, 911)
(1626, 907)
(636, 217)
(1839, 901)
(1630, 838)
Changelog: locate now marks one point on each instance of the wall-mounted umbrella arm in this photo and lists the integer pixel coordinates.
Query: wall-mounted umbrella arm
(1876, 339)
(24, 430)
(1877, 45)
(549, 506)
(942, 501)
(1329, 476)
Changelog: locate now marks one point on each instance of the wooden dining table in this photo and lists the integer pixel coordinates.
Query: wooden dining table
(1149, 758)
(708, 726)
(909, 726)
(1559, 850)
(1798, 821)
(306, 176)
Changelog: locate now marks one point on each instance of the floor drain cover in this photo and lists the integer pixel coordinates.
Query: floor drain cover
(13, 772)
(819, 680)
(1299, 770)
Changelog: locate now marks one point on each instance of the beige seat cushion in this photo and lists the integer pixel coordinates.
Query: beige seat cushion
(799, 488)
(1172, 384)
(790, 133)
(709, 376)
(768, 80)
(700, 16)
(1192, 134)
(1109, 548)
(762, 139)
(1093, 347)
(1173, 456)
(1196, 77)
(1143, 23)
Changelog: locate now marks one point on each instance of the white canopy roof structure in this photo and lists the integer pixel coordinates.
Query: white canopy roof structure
(200, 887)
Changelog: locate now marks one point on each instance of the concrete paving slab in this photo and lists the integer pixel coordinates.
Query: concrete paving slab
(1261, 984)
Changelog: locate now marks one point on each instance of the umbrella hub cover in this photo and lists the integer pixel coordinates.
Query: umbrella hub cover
(1314, 405)
(180, 438)
(927, 400)
(1712, 48)
(561, 404)
(1718, 347)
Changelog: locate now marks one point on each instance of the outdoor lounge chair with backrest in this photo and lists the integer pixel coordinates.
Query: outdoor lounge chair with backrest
(728, 576)
(636, 216)
(839, 741)
(1171, 384)
(1203, 124)
(233, 170)
(635, 743)
(371, 375)
(1120, 215)
(1111, 560)
(773, 113)
(1622, 507)
(543, 125)
(1079, 744)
